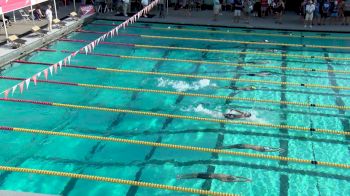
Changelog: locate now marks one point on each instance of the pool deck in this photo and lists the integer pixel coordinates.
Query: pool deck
(291, 21)
(34, 42)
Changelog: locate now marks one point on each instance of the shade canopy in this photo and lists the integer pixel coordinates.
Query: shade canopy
(13, 5)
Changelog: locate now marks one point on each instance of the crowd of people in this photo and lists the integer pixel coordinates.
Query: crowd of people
(320, 11)
(312, 12)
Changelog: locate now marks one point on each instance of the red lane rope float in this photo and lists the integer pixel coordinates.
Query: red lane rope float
(101, 32)
(227, 32)
(276, 44)
(219, 51)
(185, 94)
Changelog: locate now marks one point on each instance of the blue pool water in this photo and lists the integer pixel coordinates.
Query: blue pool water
(162, 165)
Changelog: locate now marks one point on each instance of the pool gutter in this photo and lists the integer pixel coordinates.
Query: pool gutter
(41, 42)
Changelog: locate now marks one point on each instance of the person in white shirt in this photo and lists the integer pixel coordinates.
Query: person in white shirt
(48, 14)
(309, 13)
(144, 4)
(217, 7)
(125, 7)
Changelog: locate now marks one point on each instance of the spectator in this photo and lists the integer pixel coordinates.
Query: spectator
(238, 10)
(247, 8)
(302, 9)
(278, 9)
(125, 7)
(38, 15)
(317, 13)
(309, 13)
(264, 6)
(346, 19)
(7, 20)
(48, 14)
(333, 11)
(256, 8)
(341, 6)
(325, 8)
(217, 7)
(144, 4)
(161, 9)
(117, 4)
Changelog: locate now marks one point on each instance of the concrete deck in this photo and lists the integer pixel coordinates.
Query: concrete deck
(291, 21)
(32, 43)
(21, 26)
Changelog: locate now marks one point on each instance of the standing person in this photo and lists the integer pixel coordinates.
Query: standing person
(247, 8)
(309, 10)
(324, 11)
(161, 9)
(302, 9)
(125, 7)
(238, 10)
(317, 18)
(264, 6)
(346, 19)
(48, 14)
(278, 11)
(341, 6)
(144, 4)
(333, 11)
(256, 8)
(216, 8)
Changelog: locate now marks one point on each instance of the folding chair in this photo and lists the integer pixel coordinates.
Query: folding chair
(24, 15)
(16, 42)
(38, 31)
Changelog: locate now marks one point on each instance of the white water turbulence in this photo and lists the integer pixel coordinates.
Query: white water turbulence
(218, 113)
(181, 86)
(215, 113)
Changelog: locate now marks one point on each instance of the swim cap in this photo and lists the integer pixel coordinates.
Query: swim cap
(253, 87)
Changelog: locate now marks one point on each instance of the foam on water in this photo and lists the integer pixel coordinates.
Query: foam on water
(202, 110)
(184, 86)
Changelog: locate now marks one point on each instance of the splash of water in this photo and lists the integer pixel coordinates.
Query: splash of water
(184, 86)
(202, 110)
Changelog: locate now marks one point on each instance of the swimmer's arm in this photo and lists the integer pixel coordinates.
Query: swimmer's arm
(239, 112)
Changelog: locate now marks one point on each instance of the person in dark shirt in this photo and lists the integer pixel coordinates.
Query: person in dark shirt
(238, 10)
(325, 8)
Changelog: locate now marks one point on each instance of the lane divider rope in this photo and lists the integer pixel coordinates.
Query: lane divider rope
(232, 32)
(175, 146)
(112, 180)
(223, 40)
(216, 50)
(174, 116)
(229, 64)
(216, 78)
(186, 94)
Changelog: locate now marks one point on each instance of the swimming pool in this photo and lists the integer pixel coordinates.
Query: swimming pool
(178, 59)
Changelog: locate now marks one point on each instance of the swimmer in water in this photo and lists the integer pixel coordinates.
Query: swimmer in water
(262, 74)
(221, 177)
(237, 114)
(254, 147)
(246, 88)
